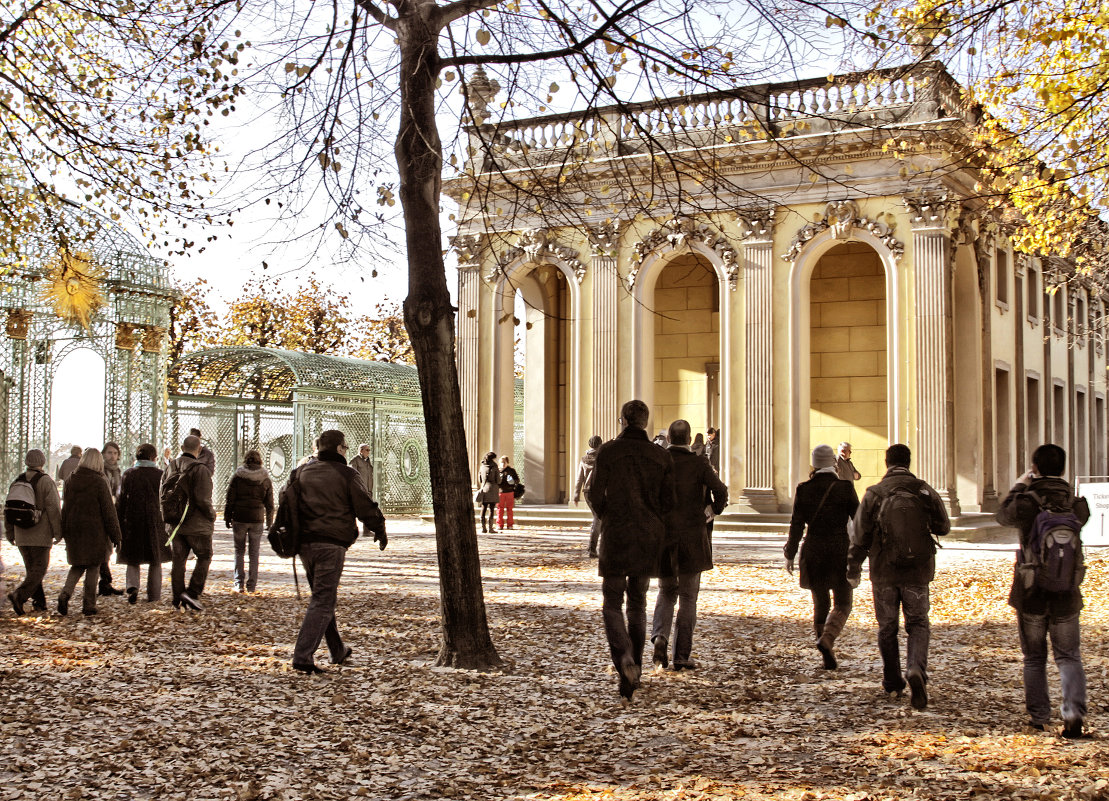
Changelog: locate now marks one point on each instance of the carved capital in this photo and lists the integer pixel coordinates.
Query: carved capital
(128, 336)
(755, 225)
(469, 248)
(152, 340)
(604, 239)
(930, 209)
(18, 323)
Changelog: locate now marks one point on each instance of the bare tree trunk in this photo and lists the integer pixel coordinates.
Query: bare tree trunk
(429, 318)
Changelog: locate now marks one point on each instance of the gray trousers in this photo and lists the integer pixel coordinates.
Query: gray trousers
(681, 590)
(1065, 647)
(153, 580)
(625, 636)
(323, 565)
(890, 600)
(183, 545)
(36, 560)
(91, 574)
(247, 535)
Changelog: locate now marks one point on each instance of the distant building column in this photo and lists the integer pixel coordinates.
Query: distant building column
(469, 250)
(757, 229)
(604, 241)
(934, 457)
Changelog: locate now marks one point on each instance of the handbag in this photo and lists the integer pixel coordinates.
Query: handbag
(518, 490)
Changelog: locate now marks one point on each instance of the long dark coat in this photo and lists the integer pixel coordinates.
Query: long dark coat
(688, 545)
(631, 493)
(140, 518)
(824, 551)
(89, 523)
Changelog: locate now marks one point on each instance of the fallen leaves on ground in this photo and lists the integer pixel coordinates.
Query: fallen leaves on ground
(144, 702)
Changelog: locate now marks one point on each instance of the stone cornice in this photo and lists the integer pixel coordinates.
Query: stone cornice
(842, 217)
(534, 244)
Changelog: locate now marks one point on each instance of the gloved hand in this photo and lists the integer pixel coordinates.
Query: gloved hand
(380, 537)
(789, 566)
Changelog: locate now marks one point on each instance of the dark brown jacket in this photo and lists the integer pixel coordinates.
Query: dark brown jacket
(696, 485)
(89, 523)
(331, 497)
(140, 517)
(824, 550)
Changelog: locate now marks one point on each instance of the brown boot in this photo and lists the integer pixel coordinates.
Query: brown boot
(832, 627)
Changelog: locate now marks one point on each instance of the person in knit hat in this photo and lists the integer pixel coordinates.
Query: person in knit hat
(822, 506)
(34, 543)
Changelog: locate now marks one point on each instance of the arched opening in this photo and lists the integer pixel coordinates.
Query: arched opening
(79, 373)
(848, 356)
(686, 314)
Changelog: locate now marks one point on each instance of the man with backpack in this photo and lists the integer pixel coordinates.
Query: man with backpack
(896, 526)
(33, 519)
(190, 518)
(1045, 590)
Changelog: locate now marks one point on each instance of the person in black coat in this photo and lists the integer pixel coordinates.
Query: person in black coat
(247, 507)
(142, 530)
(825, 503)
(688, 550)
(89, 526)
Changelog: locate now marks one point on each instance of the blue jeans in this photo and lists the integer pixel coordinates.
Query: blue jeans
(682, 590)
(890, 600)
(247, 534)
(625, 638)
(1065, 647)
(323, 565)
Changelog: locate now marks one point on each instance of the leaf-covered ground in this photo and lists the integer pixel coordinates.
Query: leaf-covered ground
(146, 702)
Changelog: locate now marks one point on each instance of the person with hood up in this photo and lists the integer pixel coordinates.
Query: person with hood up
(249, 505)
(90, 528)
(141, 527)
(585, 473)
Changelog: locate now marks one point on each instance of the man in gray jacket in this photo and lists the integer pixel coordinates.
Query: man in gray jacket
(194, 533)
(34, 543)
(364, 466)
(899, 584)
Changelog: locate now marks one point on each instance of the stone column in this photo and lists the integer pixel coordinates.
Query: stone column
(757, 229)
(469, 249)
(934, 457)
(604, 241)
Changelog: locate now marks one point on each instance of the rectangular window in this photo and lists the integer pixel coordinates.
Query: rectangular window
(1033, 293)
(1080, 315)
(1003, 437)
(1099, 467)
(1032, 408)
(1059, 309)
(1059, 410)
(1081, 435)
(1001, 279)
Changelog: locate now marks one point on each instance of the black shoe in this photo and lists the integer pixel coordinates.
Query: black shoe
(89, 612)
(346, 655)
(38, 607)
(63, 603)
(188, 602)
(110, 590)
(827, 654)
(1072, 729)
(1036, 726)
(308, 669)
(629, 680)
(17, 605)
(688, 664)
(132, 595)
(659, 656)
(919, 695)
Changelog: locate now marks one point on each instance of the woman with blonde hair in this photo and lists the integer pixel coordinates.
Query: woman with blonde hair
(89, 527)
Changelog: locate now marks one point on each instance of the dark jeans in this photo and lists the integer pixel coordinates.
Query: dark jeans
(594, 531)
(105, 576)
(1065, 647)
(247, 535)
(683, 590)
(625, 637)
(36, 560)
(323, 565)
(823, 598)
(90, 572)
(890, 600)
(183, 545)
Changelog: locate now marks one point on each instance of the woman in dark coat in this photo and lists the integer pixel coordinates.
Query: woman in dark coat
(89, 527)
(824, 504)
(490, 491)
(141, 527)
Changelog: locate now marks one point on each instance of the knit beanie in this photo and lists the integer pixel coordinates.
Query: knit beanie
(35, 458)
(823, 456)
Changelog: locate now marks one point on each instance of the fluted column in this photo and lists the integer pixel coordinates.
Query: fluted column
(934, 456)
(605, 242)
(758, 484)
(469, 298)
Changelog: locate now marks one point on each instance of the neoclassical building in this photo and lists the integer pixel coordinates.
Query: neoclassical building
(813, 288)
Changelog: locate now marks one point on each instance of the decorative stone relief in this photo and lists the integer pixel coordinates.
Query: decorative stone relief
(127, 336)
(677, 233)
(534, 244)
(604, 239)
(468, 247)
(842, 216)
(18, 323)
(756, 224)
(153, 338)
(929, 208)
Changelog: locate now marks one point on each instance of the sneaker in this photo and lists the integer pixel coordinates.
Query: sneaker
(63, 603)
(919, 697)
(132, 595)
(659, 656)
(188, 602)
(1072, 729)
(17, 605)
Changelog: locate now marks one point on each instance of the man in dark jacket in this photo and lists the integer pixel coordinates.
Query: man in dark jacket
(331, 500)
(688, 550)
(365, 467)
(898, 588)
(1040, 612)
(194, 533)
(247, 507)
(631, 492)
(712, 448)
(205, 457)
(585, 473)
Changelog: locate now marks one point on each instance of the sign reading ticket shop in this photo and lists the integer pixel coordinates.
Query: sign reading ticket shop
(1096, 492)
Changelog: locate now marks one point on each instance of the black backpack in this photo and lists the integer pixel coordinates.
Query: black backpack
(174, 495)
(903, 517)
(1052, 557)
(284, 534)
(21, 507)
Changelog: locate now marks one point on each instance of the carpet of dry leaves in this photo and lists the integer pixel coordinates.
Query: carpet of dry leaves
(146, 702)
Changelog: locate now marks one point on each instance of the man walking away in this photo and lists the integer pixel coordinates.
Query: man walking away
(631, 492)
(365, 467)
(205, 457)
(248, 506)
(1045, 589)
(585, 473)
(688, 549)
(34, 541)
(331, 499)
(66, 468)
(896, 525)
(194, 531)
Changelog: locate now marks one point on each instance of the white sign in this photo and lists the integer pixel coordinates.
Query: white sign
(1096, 493)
